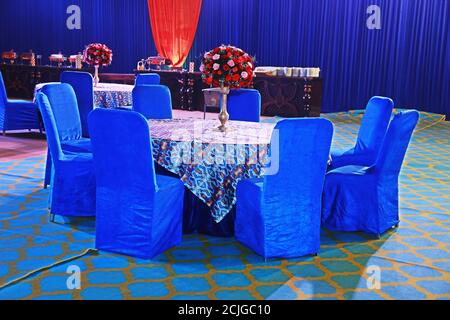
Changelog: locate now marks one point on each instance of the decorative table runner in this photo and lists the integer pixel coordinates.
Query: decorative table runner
(211, 163)
(106, 95)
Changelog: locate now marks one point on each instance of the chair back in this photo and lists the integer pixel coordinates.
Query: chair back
(244, 105)
(64, 105)
(374, 124)
(83, 85)
(122, 153)
(3, 101)
(396, 143)
(304, 147)
(51, 129)
(125, 178)
(3, 95)
(148, 79)
(153, 101)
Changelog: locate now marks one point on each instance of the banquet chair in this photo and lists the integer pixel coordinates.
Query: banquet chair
(370, 137)
(244, 105)
(153, 101)
(361, 198)
(72, 193)
(83, 85)
(278, 216)
(139, 213)
(64, 106)
(148, 79)
(17, 114)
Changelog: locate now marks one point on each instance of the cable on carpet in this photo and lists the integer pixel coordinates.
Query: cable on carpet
(57, 263)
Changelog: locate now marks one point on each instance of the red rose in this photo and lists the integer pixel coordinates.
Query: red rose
(228, 77)
(226, 67)
(235, 77)
(235, 69)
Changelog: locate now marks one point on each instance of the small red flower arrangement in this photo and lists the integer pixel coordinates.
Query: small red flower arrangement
(97, 54)
(227, 66)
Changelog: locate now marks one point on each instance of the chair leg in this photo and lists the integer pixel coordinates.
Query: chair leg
(52, 218)
(48, 170)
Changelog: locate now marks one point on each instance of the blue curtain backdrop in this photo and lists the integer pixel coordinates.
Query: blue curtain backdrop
(408, 59)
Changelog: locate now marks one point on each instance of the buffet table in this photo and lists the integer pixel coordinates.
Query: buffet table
(280, 95)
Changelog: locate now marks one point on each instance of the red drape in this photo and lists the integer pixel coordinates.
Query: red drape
(174, 23)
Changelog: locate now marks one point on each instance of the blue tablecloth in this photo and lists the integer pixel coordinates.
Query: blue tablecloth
(107, 95)
(211, 163)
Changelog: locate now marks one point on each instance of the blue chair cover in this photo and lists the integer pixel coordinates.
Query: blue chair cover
(139, 213)
(83, 85)
(148, 79)
(67, 118)
(153, 101)
(17, 114)
(73, 181)
(279, 215)
(244, 105)
(358, 198)
(370, 137)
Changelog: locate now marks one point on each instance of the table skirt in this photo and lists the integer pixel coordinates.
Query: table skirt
(197, 217)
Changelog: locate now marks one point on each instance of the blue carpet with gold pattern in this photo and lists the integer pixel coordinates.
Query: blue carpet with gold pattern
(411, 262)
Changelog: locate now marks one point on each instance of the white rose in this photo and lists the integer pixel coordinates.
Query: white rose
(216, 57)
(244, 75)
(216, 66)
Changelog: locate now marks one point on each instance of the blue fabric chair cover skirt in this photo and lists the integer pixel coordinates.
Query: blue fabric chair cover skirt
(148, 79)
(370, 137)
(358, 198)
(279, 215)
(153, 101)
(17, 114)
(83, 85)
(244, 105)
(73, 183)
(139, 213)
(67, 118)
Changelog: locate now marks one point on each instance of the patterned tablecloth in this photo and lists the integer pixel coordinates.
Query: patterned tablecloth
(211, 163)
(107, 95)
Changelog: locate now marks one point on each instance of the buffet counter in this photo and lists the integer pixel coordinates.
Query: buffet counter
(281, 95)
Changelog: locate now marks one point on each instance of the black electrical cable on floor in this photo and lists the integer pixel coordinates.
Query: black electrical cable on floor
(60, 262)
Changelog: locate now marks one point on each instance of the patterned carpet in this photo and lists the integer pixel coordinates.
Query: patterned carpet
(414, 260)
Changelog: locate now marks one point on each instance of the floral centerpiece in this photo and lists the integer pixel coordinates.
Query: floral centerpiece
(227, 67)
(97, 54)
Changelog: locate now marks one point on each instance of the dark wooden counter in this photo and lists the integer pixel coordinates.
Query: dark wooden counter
(281, 96)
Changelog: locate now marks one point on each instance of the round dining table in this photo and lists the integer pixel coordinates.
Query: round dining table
(106, 95)
(210, 163)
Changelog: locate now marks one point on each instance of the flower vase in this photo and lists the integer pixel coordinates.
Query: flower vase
(223, 115)
(96, 77)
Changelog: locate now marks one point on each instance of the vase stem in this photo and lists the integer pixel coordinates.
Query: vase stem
(223, 115)
(96, 77)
